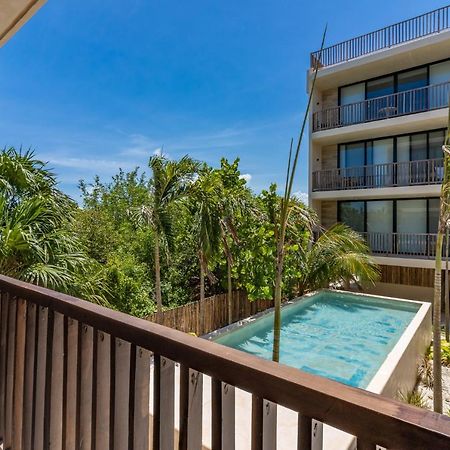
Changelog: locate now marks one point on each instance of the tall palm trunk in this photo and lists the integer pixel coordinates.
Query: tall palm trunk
(158, 280)
(446, 295)
(229, 291)
(437, 368)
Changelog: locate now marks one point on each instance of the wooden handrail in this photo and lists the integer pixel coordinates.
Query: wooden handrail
(399, 104)
(392, 35)
(404, 173)
(370, 417)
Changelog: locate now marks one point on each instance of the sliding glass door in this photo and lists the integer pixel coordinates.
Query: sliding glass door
(412, 226)
(380, 225)
(352, 99)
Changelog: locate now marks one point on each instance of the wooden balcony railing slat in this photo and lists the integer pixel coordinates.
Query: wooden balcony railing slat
(216, 414)
(72, 386)
(167, 404)
(184, 407)
(86, 387)
(4, 304)
(19, 369)
(12, 311)
(194, 410)
(142, 400)
(257, 422)
(29, 371)
(40, 377)
(56, 383)
(304, 437)
(103, 400)
(122, 395)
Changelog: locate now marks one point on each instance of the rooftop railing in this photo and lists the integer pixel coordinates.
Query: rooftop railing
(422, 99)
(390, 36)
(77, 375)
(408, 173)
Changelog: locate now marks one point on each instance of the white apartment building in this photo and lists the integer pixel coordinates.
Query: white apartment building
(377, 126)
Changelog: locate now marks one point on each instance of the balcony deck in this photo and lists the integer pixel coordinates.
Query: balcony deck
(73, 372)
(397, 174)
(428, 98)
(393, 35)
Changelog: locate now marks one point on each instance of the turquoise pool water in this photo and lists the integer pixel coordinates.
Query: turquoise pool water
(342, 336)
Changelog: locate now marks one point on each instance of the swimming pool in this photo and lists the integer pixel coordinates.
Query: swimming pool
(343, 336)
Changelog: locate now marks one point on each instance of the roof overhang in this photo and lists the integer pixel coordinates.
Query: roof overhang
(14, 14)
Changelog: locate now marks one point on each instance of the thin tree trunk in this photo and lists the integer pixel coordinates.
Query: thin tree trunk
(437, 368)
(158, 281)
(230, 292)
(447, 302)
(200, 318)
(277, 301)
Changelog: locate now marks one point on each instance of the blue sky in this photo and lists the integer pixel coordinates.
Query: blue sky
(95, 85)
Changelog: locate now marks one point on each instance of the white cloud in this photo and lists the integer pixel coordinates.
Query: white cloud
(302, 196)
(88, 163)
(140, 146)
(246, 176)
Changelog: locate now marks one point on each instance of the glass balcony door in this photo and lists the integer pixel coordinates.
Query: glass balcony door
(380, 108)
(417, 100)
(380, 156)
(352, 102)
(411, 218)
(352, 159)
(439, 74)
(380, 215)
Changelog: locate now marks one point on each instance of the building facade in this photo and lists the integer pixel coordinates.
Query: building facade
(377, 126)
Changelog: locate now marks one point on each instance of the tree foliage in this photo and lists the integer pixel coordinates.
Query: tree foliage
(104, 249)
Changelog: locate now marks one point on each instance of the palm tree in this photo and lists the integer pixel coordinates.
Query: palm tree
(36, 244)
(444, 221)
(337, 256)
(204, 206)
(280, 230)
(171, 181)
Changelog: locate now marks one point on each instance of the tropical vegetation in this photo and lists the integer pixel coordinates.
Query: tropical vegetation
(142, 242)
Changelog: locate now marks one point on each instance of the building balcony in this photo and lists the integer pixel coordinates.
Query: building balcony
(413, 101)
(393, 35)
(397, 174)
(402, 245)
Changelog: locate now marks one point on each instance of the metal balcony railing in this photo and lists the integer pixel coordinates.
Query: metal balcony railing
(414, 245)
(409, 173)
(390, 36)
(422, 99)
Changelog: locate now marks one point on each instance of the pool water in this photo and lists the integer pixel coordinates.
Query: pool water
(342, 336)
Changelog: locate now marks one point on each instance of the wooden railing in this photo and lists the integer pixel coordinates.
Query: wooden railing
(77, 375)
(422, 99)
(408, 173)
(415, 245)
(407, 30)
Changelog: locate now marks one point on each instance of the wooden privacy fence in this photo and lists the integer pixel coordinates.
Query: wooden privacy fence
(78, 376)
(208, 315)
